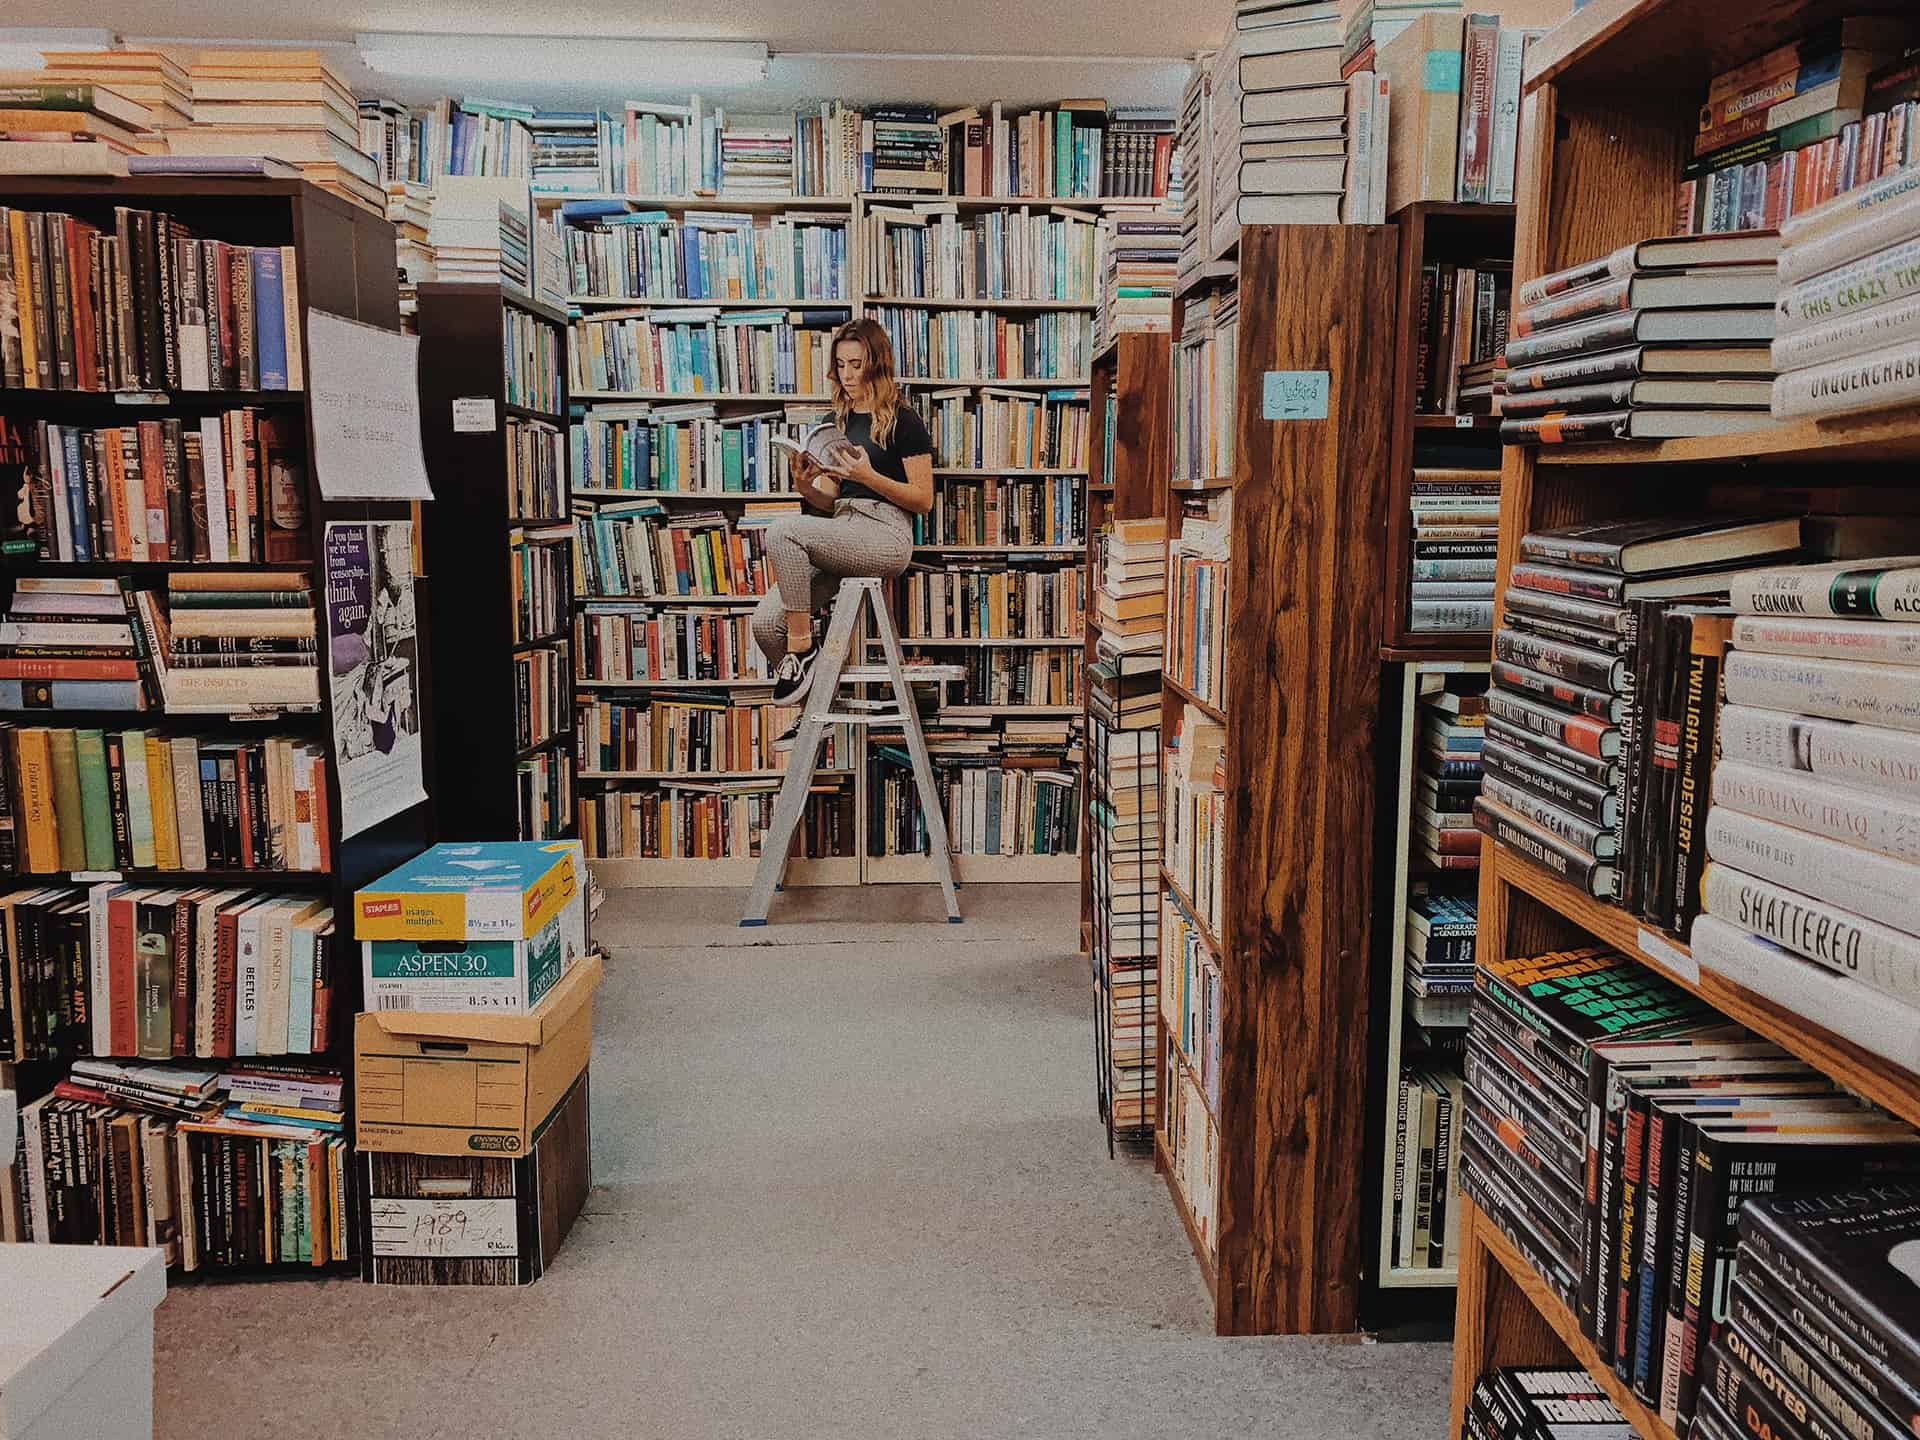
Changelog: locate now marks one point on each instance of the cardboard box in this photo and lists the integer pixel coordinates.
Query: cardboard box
(77, 1357)
(451, 1084)
(478, 1220)
(481, 927)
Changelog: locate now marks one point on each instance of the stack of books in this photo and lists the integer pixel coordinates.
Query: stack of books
(756, 159)
(477, 230)
(564, 151)
(1130, 595)
(1276, 80)
(1442, 927)
(232, 641)
(410, 208)
(1660, 339)
(1141, 252)
(1456, 539)
(1594, 669)
(1139, 153)
(146, 77)
(1809, 893)
(288, 104)
(1425, 1213)
(904, 150)
(1452, 728)
(68, 127)
(1803, 122)
(707, 351)
(1453, 129)
(1372, 23)
(1520, 1402)
(71, 644)
(1464, 316)
(1850, 301)
(1818, 1326)
(1190, 147)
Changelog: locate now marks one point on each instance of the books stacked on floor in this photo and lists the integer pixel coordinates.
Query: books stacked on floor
(1660, 339)
(1456, 535)
(1136, 289)
(1455, 139)
(1516, 1402)
(1599, 716)
(1809, 889)
(1452, 730)
(164, 309)
(1279, 108)
(291, 105)
(1198, 563)
(94, 799)
(72, 644)
(1536, 1024)
(1196, 812)
(1426, 1168)
(146, 77)
(1464, 315)
(202, 1164)
(168, 489)
(60, 127)
(232, 641)
(131, 970)
(1123, 813)
(713, 820)
(1849, 301)
(1819, 1314)
(756, 159)
(904, 150)
(1808, 120)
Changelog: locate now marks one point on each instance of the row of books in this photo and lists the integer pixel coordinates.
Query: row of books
(1024, 676)
(1191, 1140)
(1808, 886)
(1849, 306)
(530, 360)
(229, 487)
(1010, 510)
(931, 251)
(990, 808)
(1464, 314)
(1792, 128)
(544, 794)
(635, 548)
(1657, 340)
(1194, 834)
(1197, 569)
(1203, 387)
(1012, 599)
(1078, 150)
(984, 345)
(1456, 534)
(1189, 995)
(683, 735)
(693, 352)
(536, 470)
(1140, 255)
(542, 696)
(540, 567)
(147, 305)
(989, 429)
(89, 799)
(681, 644)
(1424, 1213)
(686, 448)
(609, 250)
(717, 821)
(209, 1166)
(126, 970)
(1447, 780)
(230, 642)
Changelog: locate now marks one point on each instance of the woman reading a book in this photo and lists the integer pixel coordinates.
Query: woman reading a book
(869, 487)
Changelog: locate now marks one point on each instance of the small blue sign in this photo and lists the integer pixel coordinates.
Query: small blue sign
(1294, 395)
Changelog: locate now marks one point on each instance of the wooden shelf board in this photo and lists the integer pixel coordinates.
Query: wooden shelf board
(1879, 1080)
(1008, 470)
(135, 401)
(150, 875)
(1007, 549)
(682, 302)
(541, 642)
(1163, 1162)
(528, 412)
(705, 497)
(1565, 1325)
(1460, 646)
(715, 397)
(1205, 707)
(1052, 642)
(928, 303)
(1064, 382)
(766, 684)
(98, 569)
(1402, 1277)
(1881, 436)
(581, 601)
(1193, 911)
(1216, 482)
(553, 199)
(976, 870)
(1477, 424)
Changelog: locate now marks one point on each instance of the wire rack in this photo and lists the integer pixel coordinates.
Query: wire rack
(1124, 817)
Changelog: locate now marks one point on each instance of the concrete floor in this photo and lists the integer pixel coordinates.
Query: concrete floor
(849, 1184)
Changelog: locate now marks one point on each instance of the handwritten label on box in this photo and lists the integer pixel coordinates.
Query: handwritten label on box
(446, 1229)
(1294, 395)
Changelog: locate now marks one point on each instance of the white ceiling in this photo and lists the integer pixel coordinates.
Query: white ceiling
(942, 51)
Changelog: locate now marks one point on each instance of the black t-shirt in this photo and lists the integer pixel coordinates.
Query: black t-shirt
(909, 438)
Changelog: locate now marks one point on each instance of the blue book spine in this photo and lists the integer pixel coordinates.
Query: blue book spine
(70, 694)
(269, 318)
(300, 947)
(77, 497)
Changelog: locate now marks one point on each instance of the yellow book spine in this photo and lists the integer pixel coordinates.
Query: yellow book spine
(36, 802)
(23, 298)
(166, 828)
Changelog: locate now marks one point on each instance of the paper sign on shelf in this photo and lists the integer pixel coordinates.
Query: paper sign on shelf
(1294, 395)
(363, 385)
(474, 415)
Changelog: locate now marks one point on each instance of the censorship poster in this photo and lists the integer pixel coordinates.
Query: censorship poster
(373, 667)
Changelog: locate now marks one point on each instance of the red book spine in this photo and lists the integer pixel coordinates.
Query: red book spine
(120, 986)
(225, 963)
(183, 977)
(16, 667)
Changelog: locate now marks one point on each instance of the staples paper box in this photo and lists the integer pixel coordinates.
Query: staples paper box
(481, 927)
(428, 1083)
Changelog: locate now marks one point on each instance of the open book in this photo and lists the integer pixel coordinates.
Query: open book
(826, 444)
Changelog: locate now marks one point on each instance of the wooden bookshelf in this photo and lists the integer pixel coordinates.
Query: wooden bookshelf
(1302, 680)
(469, 432)
(1600, 160)
(344, 264)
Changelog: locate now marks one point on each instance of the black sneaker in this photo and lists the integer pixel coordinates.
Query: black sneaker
(791, 675)
(787, 738)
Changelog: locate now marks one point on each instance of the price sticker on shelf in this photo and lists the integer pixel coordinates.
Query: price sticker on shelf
(1463, 422)
(1294, 394)
(474, 415)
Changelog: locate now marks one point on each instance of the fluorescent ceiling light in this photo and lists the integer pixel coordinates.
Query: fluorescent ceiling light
(598, 61)
(23, 49)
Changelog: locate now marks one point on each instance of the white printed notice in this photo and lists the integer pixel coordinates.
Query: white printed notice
(445, 1229)
(373, 644)
(364, 386)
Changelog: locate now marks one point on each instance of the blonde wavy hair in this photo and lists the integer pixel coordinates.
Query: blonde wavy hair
(880, 372)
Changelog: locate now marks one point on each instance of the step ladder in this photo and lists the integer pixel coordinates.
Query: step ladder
(825, 706)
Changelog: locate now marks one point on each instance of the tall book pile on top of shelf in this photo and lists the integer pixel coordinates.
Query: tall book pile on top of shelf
(473, 226)
(147, 77)
(903, 151)
(564, 150)
(1659, 339)
(1792, 128)
(1141, 252)
(49, 127)
(1810, 799)
(1456, 533)
(1452, 131)
(1192, 140)
(756, 157)
(1279, 107)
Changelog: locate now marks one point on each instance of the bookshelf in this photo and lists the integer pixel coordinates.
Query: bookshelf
(1600, 159)
(1300, 693)
(344, 264)
(1127, 462)
(499, 469)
